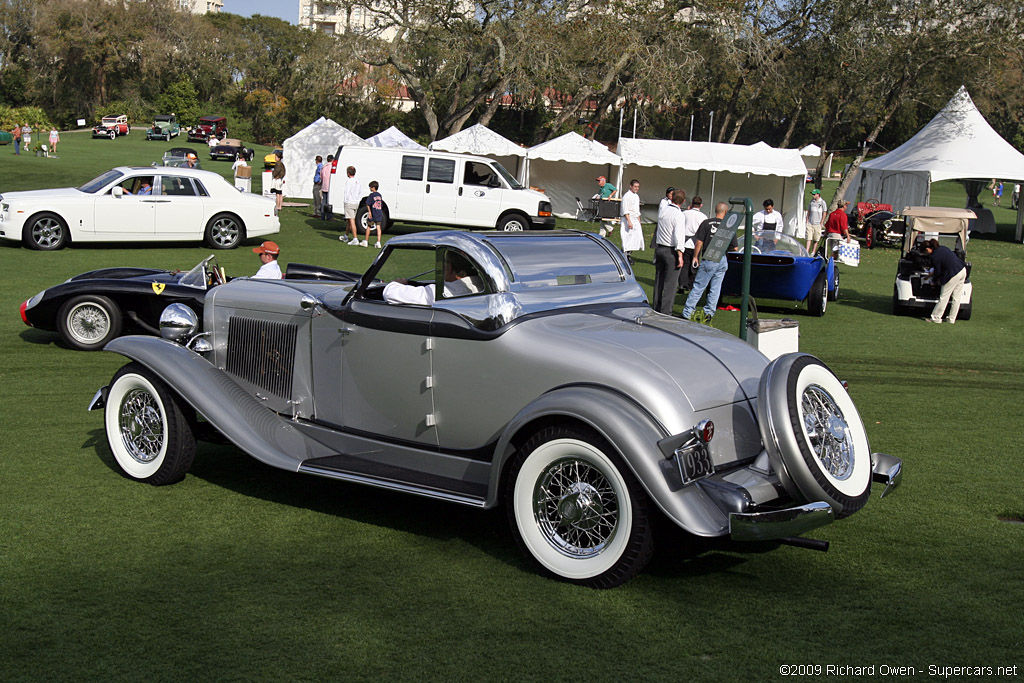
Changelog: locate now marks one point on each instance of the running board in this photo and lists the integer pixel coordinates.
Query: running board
(390, 485)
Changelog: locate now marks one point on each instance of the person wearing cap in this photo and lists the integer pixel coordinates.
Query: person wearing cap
(605, 190)
(191, 160)
(815, 219)
(270, 270)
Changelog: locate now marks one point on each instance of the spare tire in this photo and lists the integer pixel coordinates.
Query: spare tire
(813, 433)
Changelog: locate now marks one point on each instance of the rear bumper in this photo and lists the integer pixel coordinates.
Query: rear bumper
(773, 524)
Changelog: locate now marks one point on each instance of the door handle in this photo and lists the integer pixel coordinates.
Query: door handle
(428, 188)
(460, 191)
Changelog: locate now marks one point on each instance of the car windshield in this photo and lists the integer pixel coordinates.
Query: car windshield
(563, 260)
(99, 182)
(509, 178)
(197, 276)
(108, 120)
(774, 242)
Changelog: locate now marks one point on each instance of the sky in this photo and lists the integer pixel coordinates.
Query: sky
(285, 9)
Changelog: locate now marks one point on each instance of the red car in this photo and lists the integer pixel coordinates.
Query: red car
(111, 127)
(209, 126)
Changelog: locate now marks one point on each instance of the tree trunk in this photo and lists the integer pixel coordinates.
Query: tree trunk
(743, 119)
(792, 124)
(731, 109)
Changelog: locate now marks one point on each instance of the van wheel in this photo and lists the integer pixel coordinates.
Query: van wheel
(363, 218)
(513, 223)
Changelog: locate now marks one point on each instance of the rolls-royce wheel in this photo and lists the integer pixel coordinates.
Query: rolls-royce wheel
(817, 298)
(45, 232)
(814, 435)
(833, 293)
(513, 222)
(88, 322)
(224, 231)
(147, 427)
(576, 511)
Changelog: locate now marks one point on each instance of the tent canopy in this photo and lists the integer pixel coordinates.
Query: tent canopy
(565, 168)
(392, 137)
(322, 137)
(716, 171)
(482, 141)
(958, 143)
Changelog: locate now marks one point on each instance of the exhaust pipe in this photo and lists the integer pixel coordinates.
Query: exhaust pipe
(809, 543)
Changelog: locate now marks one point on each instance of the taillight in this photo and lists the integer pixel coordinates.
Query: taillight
(24, 319)
(705, 430)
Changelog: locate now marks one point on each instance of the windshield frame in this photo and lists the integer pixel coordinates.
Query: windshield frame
(197, 276)
(506, 176)
(101, 181)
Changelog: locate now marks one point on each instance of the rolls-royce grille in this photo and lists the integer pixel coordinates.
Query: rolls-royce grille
(263, 353)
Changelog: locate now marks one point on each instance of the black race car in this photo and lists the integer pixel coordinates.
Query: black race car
(230, 148)
(92, 308)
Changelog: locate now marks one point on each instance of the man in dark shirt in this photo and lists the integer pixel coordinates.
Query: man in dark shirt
(709, 273)
(951, 273)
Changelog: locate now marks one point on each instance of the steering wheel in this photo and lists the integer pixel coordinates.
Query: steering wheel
(754, 249)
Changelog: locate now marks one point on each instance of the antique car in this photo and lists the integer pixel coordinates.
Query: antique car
(177, 157)
(550, 387)
(111, 127)
(230, 148)
(138, 204)
(781, 268)
(270, 160)
(883, 227)
(915, 291)
(861, 211)
(165, 127)
(92, 308)
(208, 126)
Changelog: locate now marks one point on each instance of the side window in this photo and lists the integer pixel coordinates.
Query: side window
(418, 266)
(441, 171)
(177, 185)
(412, 168)
(200, 190)
(136, 185)
(479, 174)
(461, 276)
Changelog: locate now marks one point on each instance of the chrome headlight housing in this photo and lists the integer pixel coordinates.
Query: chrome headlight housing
(178, 323)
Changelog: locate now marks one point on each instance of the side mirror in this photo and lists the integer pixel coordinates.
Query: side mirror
(494, 182)
(118, 191)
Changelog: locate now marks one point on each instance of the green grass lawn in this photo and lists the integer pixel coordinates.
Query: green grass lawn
(244, 572)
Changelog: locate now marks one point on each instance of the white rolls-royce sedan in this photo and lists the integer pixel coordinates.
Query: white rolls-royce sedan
(138, 203)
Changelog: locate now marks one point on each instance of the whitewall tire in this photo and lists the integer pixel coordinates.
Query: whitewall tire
(577, 512)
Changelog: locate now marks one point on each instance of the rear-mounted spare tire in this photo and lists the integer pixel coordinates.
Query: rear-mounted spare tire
(813, 434)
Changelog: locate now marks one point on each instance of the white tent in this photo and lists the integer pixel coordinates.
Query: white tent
(565, 168)
(322, 137)
(957, 143)
(810, 154)
(392, 137)
(482, 141)
(717, 171)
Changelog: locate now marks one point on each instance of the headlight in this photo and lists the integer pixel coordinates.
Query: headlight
(178, 322)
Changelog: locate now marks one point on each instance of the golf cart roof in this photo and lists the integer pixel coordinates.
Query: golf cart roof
(935, 219)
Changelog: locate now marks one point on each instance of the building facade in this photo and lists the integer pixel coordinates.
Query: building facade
(202, 6)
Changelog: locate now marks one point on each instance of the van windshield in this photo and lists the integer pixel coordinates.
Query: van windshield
(508, 177)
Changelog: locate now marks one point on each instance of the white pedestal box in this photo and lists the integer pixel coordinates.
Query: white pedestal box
(774, 338)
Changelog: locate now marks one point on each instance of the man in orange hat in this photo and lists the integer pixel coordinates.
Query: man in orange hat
(268, 251)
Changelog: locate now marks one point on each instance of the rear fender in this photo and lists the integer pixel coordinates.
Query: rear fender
(237, 414)
(632, 432)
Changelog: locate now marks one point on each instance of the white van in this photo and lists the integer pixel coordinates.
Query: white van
(440, 188)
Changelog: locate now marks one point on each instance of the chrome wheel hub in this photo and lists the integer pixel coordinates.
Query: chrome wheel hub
(141, 424)
(827, 431)
(575, 507)
(46, 232)
(88, 323)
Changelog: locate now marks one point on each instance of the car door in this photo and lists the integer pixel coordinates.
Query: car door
(479, 195)
(408, 203)
(126, 213)
(440, 196)
(179, 206)
(376, 357)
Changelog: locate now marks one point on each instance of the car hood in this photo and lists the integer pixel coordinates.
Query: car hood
(54, 193)
(150, 274)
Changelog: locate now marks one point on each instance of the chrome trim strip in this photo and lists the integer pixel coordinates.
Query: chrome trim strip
(393, 486)
(887, 469)
(765, 526)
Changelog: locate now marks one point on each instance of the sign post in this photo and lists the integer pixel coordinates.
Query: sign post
(732, 219)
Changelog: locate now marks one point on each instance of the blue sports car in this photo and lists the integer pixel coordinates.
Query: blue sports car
(781, 268)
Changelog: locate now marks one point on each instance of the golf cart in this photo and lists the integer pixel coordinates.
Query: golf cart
(915, 291)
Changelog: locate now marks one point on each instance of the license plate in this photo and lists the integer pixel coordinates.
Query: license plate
(694, 463)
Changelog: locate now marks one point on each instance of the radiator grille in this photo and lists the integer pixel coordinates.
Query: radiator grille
(263, 353)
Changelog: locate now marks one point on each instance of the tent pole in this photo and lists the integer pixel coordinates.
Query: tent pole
(1020, 220)
(711, 122)
(691, 127)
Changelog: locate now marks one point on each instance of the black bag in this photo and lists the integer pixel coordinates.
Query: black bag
(326, 211)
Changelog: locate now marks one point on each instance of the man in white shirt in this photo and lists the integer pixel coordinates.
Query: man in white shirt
(668, 252)
(632, 233)
(692, 218)
(353, 193)
(769, 219)
(270, 270)
(459, 280)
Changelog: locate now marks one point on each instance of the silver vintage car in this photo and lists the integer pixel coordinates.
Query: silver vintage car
(549, 386)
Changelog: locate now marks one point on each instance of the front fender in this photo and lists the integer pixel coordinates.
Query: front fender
(239, 416)
(633, 433)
